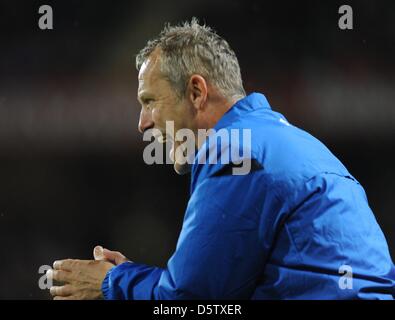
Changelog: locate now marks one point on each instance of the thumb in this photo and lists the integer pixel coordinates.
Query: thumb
(114, 256)
(98, 253)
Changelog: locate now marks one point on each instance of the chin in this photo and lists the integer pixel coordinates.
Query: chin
(182, 169)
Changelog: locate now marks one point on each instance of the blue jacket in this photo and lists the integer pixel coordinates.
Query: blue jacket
(298, 226)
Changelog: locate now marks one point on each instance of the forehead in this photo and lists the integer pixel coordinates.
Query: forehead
(149, 73)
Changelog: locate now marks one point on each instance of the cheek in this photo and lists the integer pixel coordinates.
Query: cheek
(169, 111)
(157, 116)
(161, 114)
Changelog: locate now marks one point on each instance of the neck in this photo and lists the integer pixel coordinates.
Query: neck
(217, 107)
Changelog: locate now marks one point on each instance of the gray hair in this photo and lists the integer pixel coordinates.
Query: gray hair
(191, 48)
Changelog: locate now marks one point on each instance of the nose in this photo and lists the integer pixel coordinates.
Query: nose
(145, 121)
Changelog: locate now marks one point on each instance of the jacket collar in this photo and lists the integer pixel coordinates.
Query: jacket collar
(249, 103)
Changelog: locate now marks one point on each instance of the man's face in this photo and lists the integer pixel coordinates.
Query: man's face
(160, 103)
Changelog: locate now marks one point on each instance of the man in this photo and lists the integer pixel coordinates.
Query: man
(297, 225)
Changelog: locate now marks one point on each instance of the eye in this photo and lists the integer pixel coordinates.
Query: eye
(147, 102)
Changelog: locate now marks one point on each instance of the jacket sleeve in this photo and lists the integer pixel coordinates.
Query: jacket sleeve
(218, 254)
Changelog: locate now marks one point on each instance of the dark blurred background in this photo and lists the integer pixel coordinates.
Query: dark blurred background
(71, 168)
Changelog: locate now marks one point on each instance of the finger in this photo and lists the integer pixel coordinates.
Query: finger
(59, 275)
(98, 253)
(64, 298)
(114, 256)
(63, 291)
(67, 264)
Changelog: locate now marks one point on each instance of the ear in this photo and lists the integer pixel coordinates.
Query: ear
(197, 91)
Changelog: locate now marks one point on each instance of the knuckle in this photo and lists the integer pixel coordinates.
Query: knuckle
(49, 274)
(59, 275)
(67, 289)
(55, 275)
(61, 291)
(56, 264)
(69, 262)
(52, 291)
